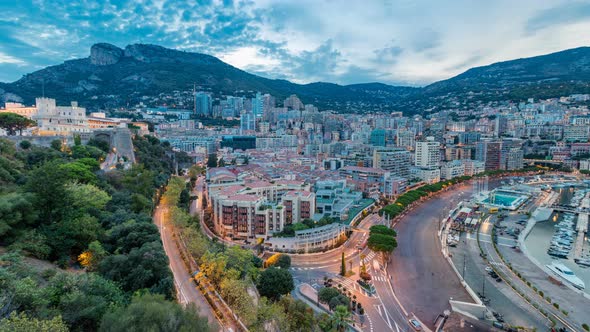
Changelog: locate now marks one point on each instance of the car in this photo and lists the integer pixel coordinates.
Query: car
(416, 325)
(498, 279)
(489, 269)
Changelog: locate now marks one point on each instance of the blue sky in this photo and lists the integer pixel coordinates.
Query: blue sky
(411, 42)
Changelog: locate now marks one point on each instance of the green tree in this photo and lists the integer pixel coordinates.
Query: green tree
(47, 182)
(56, 144)
(23, 323)
(25, 145)
(343, 266)
(279, 260)
(341, 318)
(12, 123)
(274, 282)
(16, 212)
(71, 236)
(381, 243)
(326, 294)
(212, 160)
(83, 299)
(235, 294)
(382, 229)
(134, 272)
(123, 238)
(149, 312)
(92, 257)
(339, 300)
(300, 316)
(85, 197)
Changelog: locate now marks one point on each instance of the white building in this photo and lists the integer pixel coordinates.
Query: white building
(472, 167)
(427, 153)
(452, 169)
(60, 120)
(428, 175)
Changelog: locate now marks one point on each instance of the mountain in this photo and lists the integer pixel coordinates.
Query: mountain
(112, 76)
(141, 70)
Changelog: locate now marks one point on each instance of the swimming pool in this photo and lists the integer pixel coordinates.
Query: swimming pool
(503, 199)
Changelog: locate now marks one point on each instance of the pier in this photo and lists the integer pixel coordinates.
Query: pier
(581, 227)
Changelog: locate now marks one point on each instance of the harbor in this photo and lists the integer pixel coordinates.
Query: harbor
(561, 240)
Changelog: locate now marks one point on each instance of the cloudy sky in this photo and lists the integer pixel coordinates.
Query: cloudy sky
(411, 42)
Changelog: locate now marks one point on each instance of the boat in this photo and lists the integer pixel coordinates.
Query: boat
(557, 253)
(583, 261)
(566, 274)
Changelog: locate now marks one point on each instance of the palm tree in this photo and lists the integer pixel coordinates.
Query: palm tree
(341, 318)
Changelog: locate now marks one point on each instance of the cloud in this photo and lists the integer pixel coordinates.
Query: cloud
(567, 13)
(411, 42)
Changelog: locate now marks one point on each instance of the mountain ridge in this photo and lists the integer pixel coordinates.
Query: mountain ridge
(110, 75)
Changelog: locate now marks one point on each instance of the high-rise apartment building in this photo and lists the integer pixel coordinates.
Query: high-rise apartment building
(427, 153)
(203, 104)
(395, 160)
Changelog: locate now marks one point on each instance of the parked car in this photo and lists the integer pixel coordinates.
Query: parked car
(416, 325)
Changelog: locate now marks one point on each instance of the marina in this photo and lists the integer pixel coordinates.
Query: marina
(562, 239)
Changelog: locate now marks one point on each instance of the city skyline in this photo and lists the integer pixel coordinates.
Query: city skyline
(410, 43)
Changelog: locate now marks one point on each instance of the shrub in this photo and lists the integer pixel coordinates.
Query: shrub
(586, 327)
(556, 305)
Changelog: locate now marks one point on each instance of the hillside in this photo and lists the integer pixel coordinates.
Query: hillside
(148, 69)
(112, 76)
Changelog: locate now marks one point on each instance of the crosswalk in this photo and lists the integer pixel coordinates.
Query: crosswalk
(369, 257)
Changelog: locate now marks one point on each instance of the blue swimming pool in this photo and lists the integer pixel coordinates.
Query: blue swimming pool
(501, 199)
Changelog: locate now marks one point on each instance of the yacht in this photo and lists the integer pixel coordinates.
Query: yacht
(557, 253)
(565, 273)
(583, 261)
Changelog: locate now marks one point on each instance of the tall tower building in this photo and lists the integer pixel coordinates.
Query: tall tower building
(427, 153)
(203, 104)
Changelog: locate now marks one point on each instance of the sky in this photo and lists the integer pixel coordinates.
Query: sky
(399, 42)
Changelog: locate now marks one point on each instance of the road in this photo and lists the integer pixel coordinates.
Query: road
(418, 264)
(508, 275)
(382, 311)
(499, 296)
(183, 281)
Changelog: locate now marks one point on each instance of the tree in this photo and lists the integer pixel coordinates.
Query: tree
(381, 243)
(85, 197)
(72, 235)
(339, 300)
(83, 298)
(47, 182)
(25, 145)
(92, 257)
(12, 123)
(56, 144)
(382, 229)
(16, 212)
(326, 294)
(274, 282)
(343, 266)
(149, 312)
(134, 272)
(212, 160)
(235, 294)
(300, 316)
(341, 318)
(23, 323)
(279, 260)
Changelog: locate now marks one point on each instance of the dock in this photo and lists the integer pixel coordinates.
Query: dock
(581, 228)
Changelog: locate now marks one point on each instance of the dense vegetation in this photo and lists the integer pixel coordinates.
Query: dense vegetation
(257, 291)
(96, 228)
